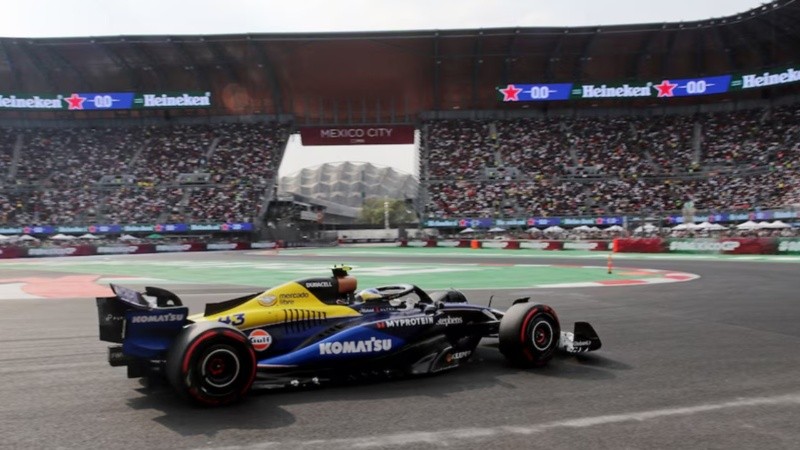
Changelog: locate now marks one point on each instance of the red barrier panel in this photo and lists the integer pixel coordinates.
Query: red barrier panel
(464, 243)
(554, 245)
(431, 243)
(12, 252)
(749, 246)
(512, 245)
(637, 245)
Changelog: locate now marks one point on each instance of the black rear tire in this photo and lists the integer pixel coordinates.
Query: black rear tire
(529, 334)
(211, 364)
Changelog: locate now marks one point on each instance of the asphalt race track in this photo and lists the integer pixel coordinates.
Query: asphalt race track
(709, 363)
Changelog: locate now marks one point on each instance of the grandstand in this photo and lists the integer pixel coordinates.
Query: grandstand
(192, 129)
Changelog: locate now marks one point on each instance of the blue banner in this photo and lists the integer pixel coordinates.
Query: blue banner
(690, 87)
(570, 221)
(543, 222)
(101, 100)
(535, 92)
(483, 222)
(132, 228)
(665, 88)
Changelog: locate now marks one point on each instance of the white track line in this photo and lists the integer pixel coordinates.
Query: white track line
(454, 437)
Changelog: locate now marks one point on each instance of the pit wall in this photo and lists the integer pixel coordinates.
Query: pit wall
(731, 246)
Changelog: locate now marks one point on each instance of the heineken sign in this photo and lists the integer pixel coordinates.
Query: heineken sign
(656, 89)
(195, 100)
(95, 101)
(32, 102)
(764, 79)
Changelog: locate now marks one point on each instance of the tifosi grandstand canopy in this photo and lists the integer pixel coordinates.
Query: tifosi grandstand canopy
(338, 185)
(396, 77)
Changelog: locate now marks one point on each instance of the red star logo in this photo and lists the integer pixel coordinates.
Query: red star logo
(665, 88)
(75, 101)
(510, 93)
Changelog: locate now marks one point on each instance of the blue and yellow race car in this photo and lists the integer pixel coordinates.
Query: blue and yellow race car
(313, 330)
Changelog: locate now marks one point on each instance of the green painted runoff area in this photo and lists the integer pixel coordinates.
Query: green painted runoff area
(592, 257)
(272, 271)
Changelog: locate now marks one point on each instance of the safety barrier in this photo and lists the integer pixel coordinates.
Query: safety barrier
(731, 245)
(129, 249)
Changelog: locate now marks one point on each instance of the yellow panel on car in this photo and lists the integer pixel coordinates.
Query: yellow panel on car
(289, 302)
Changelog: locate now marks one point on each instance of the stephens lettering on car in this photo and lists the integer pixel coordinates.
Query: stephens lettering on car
(450, 321)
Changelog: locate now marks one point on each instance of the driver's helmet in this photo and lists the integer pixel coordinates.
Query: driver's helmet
(368, 294)
(454, 296)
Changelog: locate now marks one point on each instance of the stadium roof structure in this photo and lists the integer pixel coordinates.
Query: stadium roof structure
(349, 183)
(390, 77)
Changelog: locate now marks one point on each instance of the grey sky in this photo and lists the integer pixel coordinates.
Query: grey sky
(63, 18)
(53, 18)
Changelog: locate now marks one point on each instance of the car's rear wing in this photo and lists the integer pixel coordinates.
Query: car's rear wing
(144, 326)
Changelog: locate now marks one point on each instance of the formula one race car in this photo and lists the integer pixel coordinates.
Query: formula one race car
(314, 330)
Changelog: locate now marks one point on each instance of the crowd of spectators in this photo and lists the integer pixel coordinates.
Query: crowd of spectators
(133, 174)
(459, 149)
(577, 166)
(7, 140)
(542, 166)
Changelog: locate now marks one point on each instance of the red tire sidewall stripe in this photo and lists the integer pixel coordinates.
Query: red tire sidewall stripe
(524, 328)
(235, 335)
(190, 351)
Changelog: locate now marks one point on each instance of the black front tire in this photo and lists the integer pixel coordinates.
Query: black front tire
(529, 334)
(211, 364)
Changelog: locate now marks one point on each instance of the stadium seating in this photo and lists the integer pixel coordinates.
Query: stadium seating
(141, 174)
(513, 168)
(576, 166)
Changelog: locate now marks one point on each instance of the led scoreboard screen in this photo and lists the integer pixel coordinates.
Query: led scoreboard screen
(665, 88)
(97, 101)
